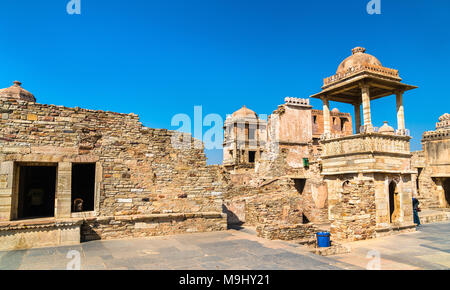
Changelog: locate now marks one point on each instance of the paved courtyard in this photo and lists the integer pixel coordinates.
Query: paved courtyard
(428, 248)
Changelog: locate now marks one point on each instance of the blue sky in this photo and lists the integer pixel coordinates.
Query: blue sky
(161, 58)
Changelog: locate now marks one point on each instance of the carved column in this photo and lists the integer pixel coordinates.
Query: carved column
(400, 112)
(366, 108)
(326, 116)
(357, 117)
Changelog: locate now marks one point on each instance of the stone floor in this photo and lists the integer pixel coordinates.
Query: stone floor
(429, 248)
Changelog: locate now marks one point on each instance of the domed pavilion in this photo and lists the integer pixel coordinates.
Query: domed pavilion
(359, 79)
(375, 165)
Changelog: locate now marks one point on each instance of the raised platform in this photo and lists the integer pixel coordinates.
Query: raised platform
(37, 233)
(366, 152)
(428, 216)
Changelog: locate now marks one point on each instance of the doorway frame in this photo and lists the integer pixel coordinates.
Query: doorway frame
(16, 187)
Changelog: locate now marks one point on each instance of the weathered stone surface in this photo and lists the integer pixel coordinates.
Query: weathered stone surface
(286, 232)
(135, 164)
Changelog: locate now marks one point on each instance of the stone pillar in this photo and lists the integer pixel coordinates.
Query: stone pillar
(357, 117)
(6, 189)
(326, 116)
(63, 195)
(400, 112)
(366, 108)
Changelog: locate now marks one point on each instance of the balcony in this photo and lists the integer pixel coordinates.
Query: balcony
(366, 152)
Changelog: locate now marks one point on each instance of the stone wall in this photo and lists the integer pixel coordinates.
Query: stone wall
(115, 227)
(138, 171)
(353, 211)
(273, 201)
(427, 191)
(287, 232)
(436, 180)
(276, 200)
(338, 121)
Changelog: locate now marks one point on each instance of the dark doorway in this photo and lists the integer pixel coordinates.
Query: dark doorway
(36, 191)
(300, 185)
(343, 122)
(83, 187)
(447, 191)
(251, 156)
(419, 171)
(393, 202)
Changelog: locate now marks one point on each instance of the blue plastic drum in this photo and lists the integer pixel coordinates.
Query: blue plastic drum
(323, 239)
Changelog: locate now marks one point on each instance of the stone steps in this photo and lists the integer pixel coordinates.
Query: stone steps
(432, 216)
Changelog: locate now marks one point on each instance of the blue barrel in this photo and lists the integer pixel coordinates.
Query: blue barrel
(323, 239)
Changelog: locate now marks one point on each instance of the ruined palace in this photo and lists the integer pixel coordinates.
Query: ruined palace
(69, 175)
(360, 184)
(432, 178)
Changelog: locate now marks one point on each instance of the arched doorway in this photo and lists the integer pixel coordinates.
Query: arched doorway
(394, 202)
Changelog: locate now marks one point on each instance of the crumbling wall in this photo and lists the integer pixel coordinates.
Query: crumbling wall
(287, 232)
(273, 201)
(427, 191)
(352, 209)
(140, 171)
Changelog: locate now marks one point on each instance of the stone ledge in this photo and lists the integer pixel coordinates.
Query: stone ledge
(207, 215)
(434, 216)
(286, 232)
(39, 223)
(391, 229)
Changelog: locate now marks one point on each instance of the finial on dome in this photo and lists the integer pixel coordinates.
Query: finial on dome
(358, 49)
(386, 129)
(17, 83)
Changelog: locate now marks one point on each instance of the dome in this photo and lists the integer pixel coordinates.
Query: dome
(386, 129)
(358, 57)
(244, 112)
(335, 110)
(17, 92)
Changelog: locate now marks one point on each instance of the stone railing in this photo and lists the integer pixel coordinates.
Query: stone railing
(444, 124)
(296, 101)
(439, 134)
(364, 143)
(365, 67)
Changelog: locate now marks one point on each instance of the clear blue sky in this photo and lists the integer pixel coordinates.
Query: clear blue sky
(161, 58)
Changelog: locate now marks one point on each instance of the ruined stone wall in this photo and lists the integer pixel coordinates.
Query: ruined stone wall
(427, 191)
(274, 201)
(139, 172)
(277, 200)
(287, 232)
(116, 227)
(434, 182)
(352, 209)
(337, 121)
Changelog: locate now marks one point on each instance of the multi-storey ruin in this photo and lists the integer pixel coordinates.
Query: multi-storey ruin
(433, 166)
(359, 183)
(70, 174)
